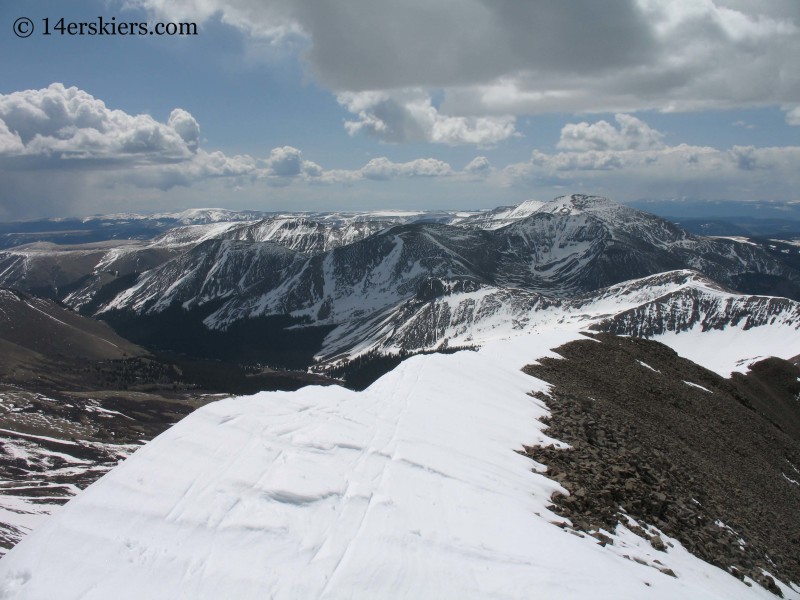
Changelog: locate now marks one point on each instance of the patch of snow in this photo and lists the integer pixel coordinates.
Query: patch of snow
(790, 480)
(731, 530)
(38, 437)
(735, 238)
(106, 411)
(699, 387)
(794, 242)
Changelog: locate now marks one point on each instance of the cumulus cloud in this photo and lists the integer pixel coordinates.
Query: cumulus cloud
(793, 116)
(505, 57)
(632, 134)
(631, 161)
(203, 165)
(285, 161)
(10, 142)
(478, 166)
(70, 123)
(289, 162)
(410, 116)
(383, 168)
(90, 151)
(286, 164)
(745, 157)
(41, 129)
(282, 166)
(81, 144)
(185, 126)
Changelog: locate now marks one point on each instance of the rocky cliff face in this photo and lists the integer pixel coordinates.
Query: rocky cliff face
(466, 313)
(688, 308)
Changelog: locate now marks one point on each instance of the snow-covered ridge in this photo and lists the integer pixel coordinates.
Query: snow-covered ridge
(409, 489)
(497, 217)
(187, 217)
(682, 309)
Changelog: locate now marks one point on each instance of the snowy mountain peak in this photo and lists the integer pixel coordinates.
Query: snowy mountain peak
(576, 204)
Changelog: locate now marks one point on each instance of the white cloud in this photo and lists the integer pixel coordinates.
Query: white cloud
(283, 166)
(632, 134)
(745, 157)
(88, 152)
(203, 165)
(741, 172)
(285, 162)
(70, 123)
(45, 127)
(410, 116)
(793, 116)
(10, 142)
(478, 166)
(185, 126)
(383, 169)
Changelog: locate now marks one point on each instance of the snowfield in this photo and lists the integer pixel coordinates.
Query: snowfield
(734, 349)
(410, 489)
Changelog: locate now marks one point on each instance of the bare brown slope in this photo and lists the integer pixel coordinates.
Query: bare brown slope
(37, 329)
(716, 468)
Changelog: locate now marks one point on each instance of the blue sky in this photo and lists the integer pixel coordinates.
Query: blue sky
(302, 105)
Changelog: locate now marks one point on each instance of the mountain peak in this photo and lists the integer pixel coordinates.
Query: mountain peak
(576, 204)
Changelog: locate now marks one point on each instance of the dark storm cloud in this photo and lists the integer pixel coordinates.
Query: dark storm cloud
(497, 59)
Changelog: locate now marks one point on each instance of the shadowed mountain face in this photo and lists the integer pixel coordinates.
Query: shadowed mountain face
(572, 245)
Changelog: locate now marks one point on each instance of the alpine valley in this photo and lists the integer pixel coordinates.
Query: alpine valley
(564, 399)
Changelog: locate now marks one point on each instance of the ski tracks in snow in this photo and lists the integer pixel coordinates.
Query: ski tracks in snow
(390, 418)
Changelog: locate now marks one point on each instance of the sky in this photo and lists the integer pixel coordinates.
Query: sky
(369, 104)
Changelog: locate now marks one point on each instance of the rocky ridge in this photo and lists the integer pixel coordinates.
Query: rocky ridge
(661, 440)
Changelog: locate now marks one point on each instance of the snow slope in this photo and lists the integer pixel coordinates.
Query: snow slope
(410, 489)
(733, 349)
(497, 217)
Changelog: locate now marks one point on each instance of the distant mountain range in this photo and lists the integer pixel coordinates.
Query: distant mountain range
(336, 285)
